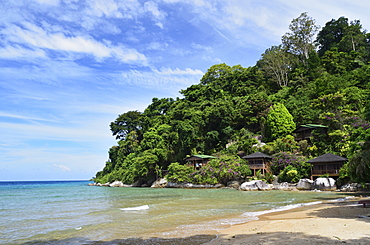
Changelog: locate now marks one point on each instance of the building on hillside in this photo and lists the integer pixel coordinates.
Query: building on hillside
(327, 164)
(258, 161)
(197, 161)
(304, 132)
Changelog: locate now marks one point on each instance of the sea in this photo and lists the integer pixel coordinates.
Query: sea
(71, 212)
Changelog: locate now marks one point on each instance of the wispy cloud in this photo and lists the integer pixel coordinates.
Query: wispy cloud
(36, 37)
(62, 167)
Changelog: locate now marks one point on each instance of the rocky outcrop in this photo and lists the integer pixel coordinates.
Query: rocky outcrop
(284, 186)
(161, 183)
(190, 185)
(352, 187)
(254, 185)
(305, 184)
(233, 184)
(116, 184)
(324, 184)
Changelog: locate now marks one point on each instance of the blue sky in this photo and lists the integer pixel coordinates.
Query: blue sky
(70, 67)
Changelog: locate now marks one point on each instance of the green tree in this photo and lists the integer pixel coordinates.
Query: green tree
(276, 62)
(127, 122)
(279, 122)
(299, 40)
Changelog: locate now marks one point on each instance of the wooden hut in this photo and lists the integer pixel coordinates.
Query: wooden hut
(258, 161)
(304, 132)
(327, 164)
(197, 161)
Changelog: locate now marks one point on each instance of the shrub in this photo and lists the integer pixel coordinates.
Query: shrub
(289, 174)
(179, 173)
(282, 159)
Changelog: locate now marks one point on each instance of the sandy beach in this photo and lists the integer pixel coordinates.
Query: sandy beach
(326, 223)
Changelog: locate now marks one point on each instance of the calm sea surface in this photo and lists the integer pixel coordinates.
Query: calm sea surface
(59, 211)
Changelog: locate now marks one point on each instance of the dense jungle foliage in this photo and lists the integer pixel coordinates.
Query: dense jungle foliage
(303, 80)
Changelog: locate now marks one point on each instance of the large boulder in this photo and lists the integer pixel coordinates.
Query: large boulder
(284, 186)
(233, 184)
(254, 185)
(351, 187)
(324, 184)
(116, 184)
(161, 183)
(304, 184)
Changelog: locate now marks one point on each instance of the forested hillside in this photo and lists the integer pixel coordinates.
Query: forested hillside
(316, 75)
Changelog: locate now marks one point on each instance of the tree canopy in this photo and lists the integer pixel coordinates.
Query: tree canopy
(231, 106)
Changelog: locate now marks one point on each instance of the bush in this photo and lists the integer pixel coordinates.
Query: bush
(179, 173)
(282, 160)
(227, 168)
(289, 174)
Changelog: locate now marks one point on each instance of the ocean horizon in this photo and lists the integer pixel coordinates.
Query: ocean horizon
(70, 210)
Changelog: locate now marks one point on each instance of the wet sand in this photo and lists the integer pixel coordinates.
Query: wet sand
(326, 223)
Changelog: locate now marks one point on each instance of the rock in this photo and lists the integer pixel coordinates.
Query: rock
(304, 184)
(161, 183)
(254, 185)
(192, 186)
(106, 184)
(116, 184)
(324, 184)
(284, 186)
(233, 184)
(353, 187)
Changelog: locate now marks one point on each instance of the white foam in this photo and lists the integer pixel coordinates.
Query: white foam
(342, 199)
(139, 208)
(282, 208)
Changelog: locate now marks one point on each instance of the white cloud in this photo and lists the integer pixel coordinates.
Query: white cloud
(170, 79)
(106, 8)
(177, 71)
(18, 52)
(49, 2)
(62, 167)
(36, 37)
(152, 8)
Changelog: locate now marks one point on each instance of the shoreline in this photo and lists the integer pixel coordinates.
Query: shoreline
(325, 223)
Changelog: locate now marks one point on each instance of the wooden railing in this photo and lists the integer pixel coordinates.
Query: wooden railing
(323, 172)
(254, 166)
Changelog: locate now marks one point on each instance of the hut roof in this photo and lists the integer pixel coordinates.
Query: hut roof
(308, 126)
(328, 157)
(195, 157)
(257, 155)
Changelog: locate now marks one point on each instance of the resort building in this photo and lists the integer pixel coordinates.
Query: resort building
(304, 132)
(258, 161)
(197, 161)
(327, 164)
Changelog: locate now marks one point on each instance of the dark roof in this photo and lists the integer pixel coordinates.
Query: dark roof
(193, 157)
(328, 157)
(308, 126)
(257, 155)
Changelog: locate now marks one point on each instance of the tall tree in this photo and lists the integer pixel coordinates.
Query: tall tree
(299, 40)
(127, 122)
(277, 63)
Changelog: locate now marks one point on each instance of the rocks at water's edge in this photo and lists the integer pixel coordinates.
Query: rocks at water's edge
(304, 184)
(324, 184)
(161, 183)
(320, 184)
(254, 185)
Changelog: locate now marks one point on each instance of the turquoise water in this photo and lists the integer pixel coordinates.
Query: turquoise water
(61, 210)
